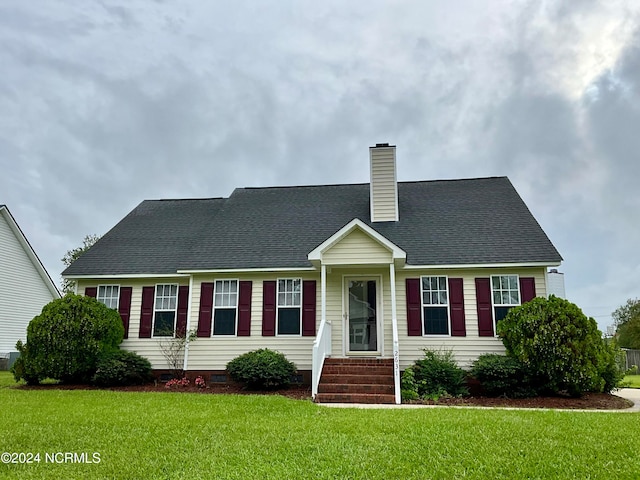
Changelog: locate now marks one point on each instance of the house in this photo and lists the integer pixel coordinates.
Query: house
(25, 285)
(363, 276)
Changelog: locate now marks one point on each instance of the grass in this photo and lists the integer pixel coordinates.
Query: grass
(631, 381)
(173, 435)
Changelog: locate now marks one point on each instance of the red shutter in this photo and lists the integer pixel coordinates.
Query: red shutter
(485, 315)
(414, 305)
(244, 309)
(309, 308)
(183, 308)
(124, 308)
(146, 311)
(527, 289)
(206, 307)
(268, 308)
(456, 307)
(91, 292)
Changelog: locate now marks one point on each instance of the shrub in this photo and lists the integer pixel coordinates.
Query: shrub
(408, 385)
(120, 368)
(437, 374)
(501, 375)
(261, 369)
(65, 341)
(558, 345)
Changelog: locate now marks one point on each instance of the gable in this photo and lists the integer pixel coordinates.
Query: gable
(356, 248)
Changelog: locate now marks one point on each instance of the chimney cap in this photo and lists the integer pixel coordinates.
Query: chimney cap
(378, 145)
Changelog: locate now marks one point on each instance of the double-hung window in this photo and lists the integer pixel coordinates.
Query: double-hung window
(505, 293)
(225, 307)
(289, 306)
(109, 295)
(165, 307)
(435, 306)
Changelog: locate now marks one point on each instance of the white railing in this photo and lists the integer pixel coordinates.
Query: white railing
(321, 350)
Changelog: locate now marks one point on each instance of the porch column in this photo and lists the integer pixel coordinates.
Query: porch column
(185, 364)
(323, 292)
(394, 328)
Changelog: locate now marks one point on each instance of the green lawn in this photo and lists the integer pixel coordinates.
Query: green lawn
(173, 435)
(631, 381)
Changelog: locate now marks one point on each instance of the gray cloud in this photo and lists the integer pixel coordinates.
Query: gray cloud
(107, 105)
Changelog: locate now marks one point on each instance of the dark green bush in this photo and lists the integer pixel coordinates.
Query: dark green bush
(500, 375)
(437, 374)
(66, 339)
(558, 345)
(261, 369)
(120, 368)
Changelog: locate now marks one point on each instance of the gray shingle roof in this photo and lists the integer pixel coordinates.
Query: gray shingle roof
(445, 222)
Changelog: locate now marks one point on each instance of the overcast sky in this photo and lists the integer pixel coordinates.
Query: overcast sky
(105, 104)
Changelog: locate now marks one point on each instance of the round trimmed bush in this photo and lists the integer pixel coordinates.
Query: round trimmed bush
(559, 346)
(65, 341)
(261, 369)
(122, 368)
(501, 375)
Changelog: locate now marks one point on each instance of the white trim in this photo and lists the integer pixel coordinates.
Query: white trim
(480, 265)
(323, 292)
(175, 311)
(379, 352)
(28, 249)
(109, 285)
(448, 306)
(213, 307)
(288, 306)
(394, 333)
(510, 305)
(125, 275)
(396, 252)
(249, 270)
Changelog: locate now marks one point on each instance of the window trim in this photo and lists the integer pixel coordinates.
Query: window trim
(117, 296)
(423, 305)
(175, 310)
(510, 305)
(213, 308)
(278, 306)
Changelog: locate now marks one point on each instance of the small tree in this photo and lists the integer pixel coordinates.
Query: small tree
(65, 341)
(560, 347)
(627, 321)
(173, 347)
(69, 286)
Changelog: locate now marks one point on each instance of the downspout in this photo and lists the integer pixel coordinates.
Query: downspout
(188, 327)
(394, 328)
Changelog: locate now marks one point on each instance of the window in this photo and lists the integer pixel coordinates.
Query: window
(289, 306)
(506, 294)
(435, 306)
(165, 306)
(109, 294)
(225, 307)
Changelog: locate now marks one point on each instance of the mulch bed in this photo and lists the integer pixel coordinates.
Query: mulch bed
(589, 401)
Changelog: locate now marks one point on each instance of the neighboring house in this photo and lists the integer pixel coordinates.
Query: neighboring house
(25, 285)
(360, 271)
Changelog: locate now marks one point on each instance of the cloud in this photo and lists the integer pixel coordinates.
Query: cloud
(110, 104)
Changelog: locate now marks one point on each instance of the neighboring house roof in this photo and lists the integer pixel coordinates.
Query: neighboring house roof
(30, 253)
(447, 222)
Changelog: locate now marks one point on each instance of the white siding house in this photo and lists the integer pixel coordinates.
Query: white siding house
(25, 286)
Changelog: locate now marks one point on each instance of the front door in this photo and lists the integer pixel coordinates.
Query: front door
(362, 319)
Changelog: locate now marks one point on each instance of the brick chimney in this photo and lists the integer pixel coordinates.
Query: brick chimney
(384, 186)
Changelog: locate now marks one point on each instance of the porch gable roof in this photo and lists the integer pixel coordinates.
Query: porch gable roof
(397, 254)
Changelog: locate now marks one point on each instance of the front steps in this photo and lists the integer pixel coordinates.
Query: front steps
(356, 380)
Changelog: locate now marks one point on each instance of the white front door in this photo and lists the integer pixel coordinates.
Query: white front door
(361, 305)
